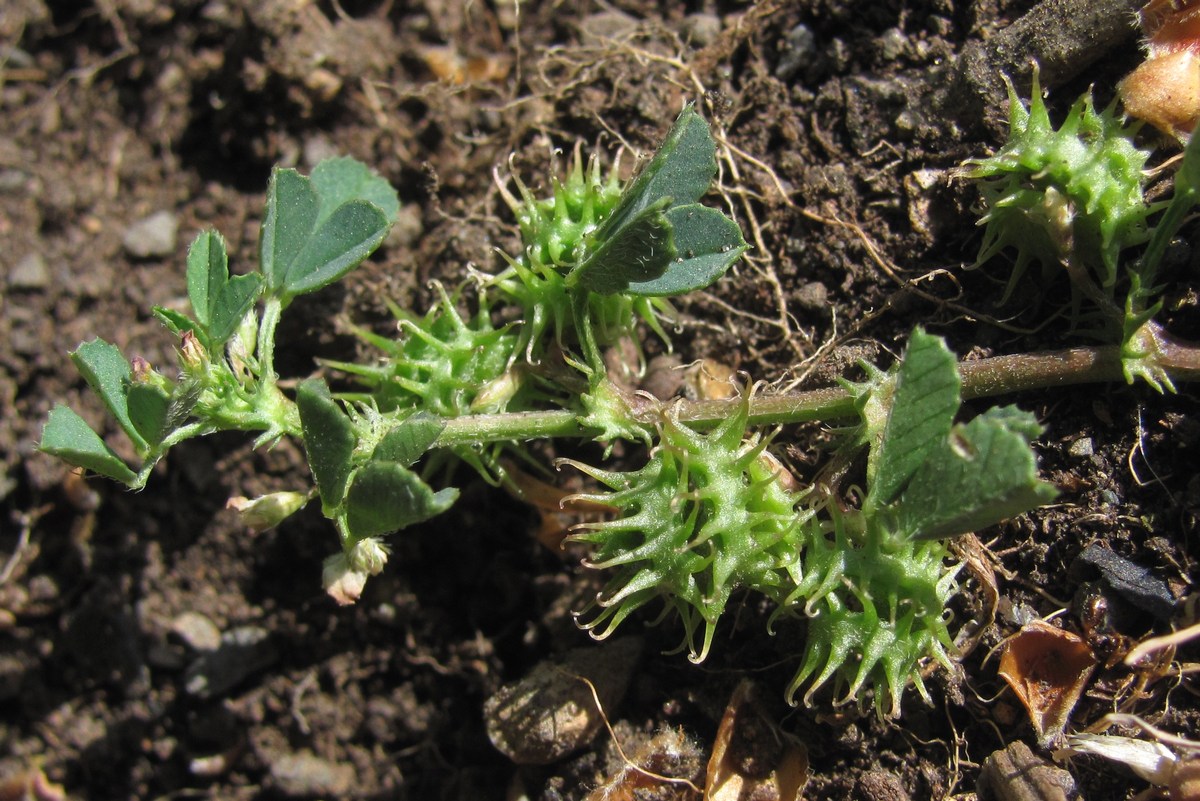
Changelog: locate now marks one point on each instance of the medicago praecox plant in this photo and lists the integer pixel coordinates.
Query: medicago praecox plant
(708, 514)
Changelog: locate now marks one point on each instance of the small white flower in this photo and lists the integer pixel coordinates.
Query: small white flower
(267, 511)
(369, 555)
(343, 583)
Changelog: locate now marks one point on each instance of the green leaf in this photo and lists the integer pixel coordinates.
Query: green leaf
(148, 406)
(69, 437)
(108, 372)
(291, 217)
(341, 180)
(219, 302)
(924, 401)
(682, 170)
(351, 233)
(329, 440)
(386, 496)
(405, 443)
(707, 243)
(316, 230)
(640, 251)
(983, 473)
(178, 322)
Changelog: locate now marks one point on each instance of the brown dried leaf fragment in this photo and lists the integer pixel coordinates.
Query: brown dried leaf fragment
(751, 757)
(1165, 89)
(1047, 668)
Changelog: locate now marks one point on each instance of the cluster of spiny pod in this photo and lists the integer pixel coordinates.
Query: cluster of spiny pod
(712, 513)
(709, 514)
(1075, 192)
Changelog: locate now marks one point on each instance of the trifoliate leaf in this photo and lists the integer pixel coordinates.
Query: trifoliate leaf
(219, 302)
(69, 437)
(315, 231)
(329, 440)
(924, 401)
(341, 180)
(405, 443)
(707, 243)
(682, 170)
(640, 251)
(983, 473)
(290, 219)
(351, 233)
(386, 496)
(108, 372)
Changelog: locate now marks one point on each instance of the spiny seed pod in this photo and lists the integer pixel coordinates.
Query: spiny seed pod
(440, 363)
(557, 234)
(1165, 89)
(875, 605)
(706, 515)
(1075, 192)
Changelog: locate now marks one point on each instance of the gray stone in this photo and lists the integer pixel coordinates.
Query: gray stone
(700, 30)
(407, 228)
(30, 272)
(813, 297)
(243, 652)
(1081, 447)
(152, 237)
(551, 712)
(197, 631)
(797, 51)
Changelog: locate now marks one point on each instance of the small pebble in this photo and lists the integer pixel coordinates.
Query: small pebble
(796, 52)
(880, 785)
(30, 272)
(1015, 773)
(892, 44)
(304, 775)
(13, 181)
(813, 297)
(700, 29)
(243, 652)
(152, 237)
(612, 24)
(1081, 447)
(197, 631)
(664, 376)
(317, 149)
(407, 228)
(551, 712)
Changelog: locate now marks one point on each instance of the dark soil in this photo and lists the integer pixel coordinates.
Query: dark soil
(118, 109)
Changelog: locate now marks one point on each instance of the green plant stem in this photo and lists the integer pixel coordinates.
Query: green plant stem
(984, 378)
(272, 311)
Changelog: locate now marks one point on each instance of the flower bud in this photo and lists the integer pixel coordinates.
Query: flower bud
(369, 555)
(143, 373)
(267, 511)
(495, 394)
(239, 360)
(341, 582)
(193, 355)
(247, 331)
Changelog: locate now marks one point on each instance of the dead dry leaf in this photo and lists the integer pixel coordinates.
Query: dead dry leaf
(751, 757)
(1048, 669)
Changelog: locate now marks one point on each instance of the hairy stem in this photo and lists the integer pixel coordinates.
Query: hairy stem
(272, 311)
(984, 378)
